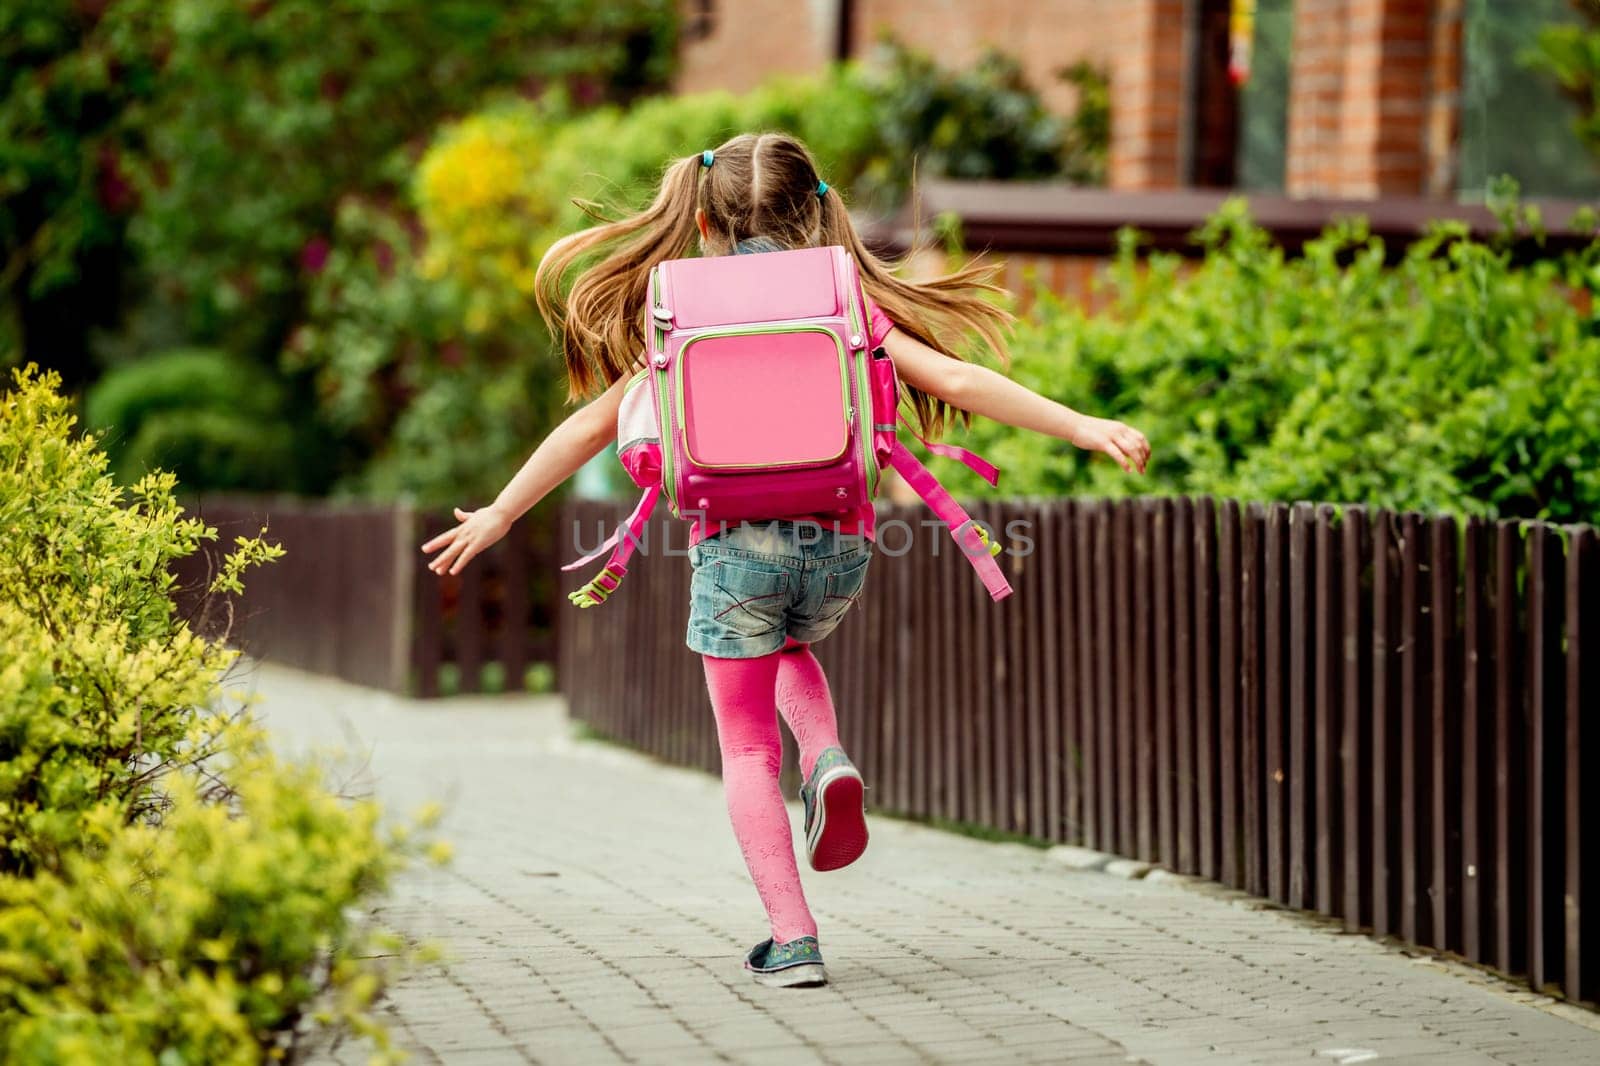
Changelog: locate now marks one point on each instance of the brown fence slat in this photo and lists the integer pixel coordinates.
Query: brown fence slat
(1274, 636)
(1326, 632)
(1126, 809)
(1543, 827)
(1252, 576)
(1385, 722)
(1143, 750)
(1413, 774)
(1230, 806)
(1094, 688)
(1051, 661)
(1445, 732)
(1534, 828)
(1161, 635)
(1582, 979)
(1299, 629)
(1206, 711)
(1356, 739)
(1510, 875)
(1580, 547)
(1183, 691)
(1473, 741)
(431, 591)
(516, 635)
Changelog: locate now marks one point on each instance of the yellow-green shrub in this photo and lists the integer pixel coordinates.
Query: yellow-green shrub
(200, 939)
(169, 892)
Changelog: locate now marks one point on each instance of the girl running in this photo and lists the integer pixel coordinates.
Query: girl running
(764, 592)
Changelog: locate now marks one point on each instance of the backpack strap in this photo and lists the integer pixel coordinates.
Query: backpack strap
(621, 545)
(969, 535)
(976, 463)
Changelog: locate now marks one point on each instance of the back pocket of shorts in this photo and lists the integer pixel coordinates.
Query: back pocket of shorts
(748, 595)
(844, 588)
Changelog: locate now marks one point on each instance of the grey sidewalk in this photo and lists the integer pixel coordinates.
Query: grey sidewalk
(597, 912)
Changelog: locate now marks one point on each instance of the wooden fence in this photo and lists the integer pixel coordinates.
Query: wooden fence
(352, 596)
(1382, 717)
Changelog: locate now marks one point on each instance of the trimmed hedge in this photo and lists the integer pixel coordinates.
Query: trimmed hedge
(1455, 380)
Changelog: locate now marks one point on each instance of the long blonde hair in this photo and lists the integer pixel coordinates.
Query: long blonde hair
(757, 185)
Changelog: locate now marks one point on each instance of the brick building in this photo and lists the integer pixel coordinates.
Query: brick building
(1398, 110)
(1373, 85)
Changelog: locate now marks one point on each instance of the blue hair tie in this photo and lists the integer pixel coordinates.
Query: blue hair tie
(822, 188)
(707, 157)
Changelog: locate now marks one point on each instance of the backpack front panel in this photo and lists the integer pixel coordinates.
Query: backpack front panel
(763, 416)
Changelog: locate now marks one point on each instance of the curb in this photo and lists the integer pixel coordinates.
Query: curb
(1088, 860)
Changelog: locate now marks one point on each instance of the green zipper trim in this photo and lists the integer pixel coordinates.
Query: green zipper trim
(748, 331)
(864, 397)
(650, 312)
(863, 389)
(664, 416)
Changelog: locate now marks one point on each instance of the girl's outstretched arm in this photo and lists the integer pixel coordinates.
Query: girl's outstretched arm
(583, 435)
(980, 390)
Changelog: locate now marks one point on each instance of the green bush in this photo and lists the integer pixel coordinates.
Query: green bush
(214, 421)
(984, 122)
(168, 891)
(202, 939)
(1454, 380)
(188, 157)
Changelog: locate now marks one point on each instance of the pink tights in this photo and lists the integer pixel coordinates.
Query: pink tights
(744, 695)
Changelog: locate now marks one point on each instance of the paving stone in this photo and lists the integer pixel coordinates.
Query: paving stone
(598, 911)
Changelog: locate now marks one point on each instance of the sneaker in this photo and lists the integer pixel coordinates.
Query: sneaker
(836, 817)
(796, 964)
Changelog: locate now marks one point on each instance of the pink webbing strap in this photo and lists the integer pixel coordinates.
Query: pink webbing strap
(954, 516)
(621, 545)
(976, 463)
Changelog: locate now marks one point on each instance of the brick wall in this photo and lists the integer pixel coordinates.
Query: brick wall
(1374, 89)
(1148, 95)
(1044, 35)
(751, 40)
(1444, 103)
(1373, 97)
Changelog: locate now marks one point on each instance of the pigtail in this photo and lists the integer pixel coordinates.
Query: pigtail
(600, 320)
(944, 313)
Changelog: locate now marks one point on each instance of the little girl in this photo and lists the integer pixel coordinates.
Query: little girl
(763, 592)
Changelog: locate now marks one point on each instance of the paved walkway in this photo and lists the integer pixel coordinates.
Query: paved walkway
(597, 912)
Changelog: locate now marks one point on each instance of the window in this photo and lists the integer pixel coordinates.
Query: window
(1264, 98)
(1514, 117)
(699, 20)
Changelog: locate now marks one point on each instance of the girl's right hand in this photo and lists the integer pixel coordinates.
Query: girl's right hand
(477, 532)
(1120, 441)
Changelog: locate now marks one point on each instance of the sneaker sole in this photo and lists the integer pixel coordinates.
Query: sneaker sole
(806, 975)
(839, 833)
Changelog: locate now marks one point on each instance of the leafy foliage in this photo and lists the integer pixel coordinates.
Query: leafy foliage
(204, 938)
(1454, 380)
(193, 153)
(255, 135)
(982, 122)
(169, 891)
(216, 422)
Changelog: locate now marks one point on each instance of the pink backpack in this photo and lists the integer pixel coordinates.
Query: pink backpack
(772, 405)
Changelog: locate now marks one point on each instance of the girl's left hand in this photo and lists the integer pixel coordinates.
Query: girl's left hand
(477, 532)
(1120, 441)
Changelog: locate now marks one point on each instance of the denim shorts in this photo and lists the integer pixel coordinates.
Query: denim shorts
(758, 584)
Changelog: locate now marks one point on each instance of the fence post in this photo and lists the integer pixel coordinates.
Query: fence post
(402, 618)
